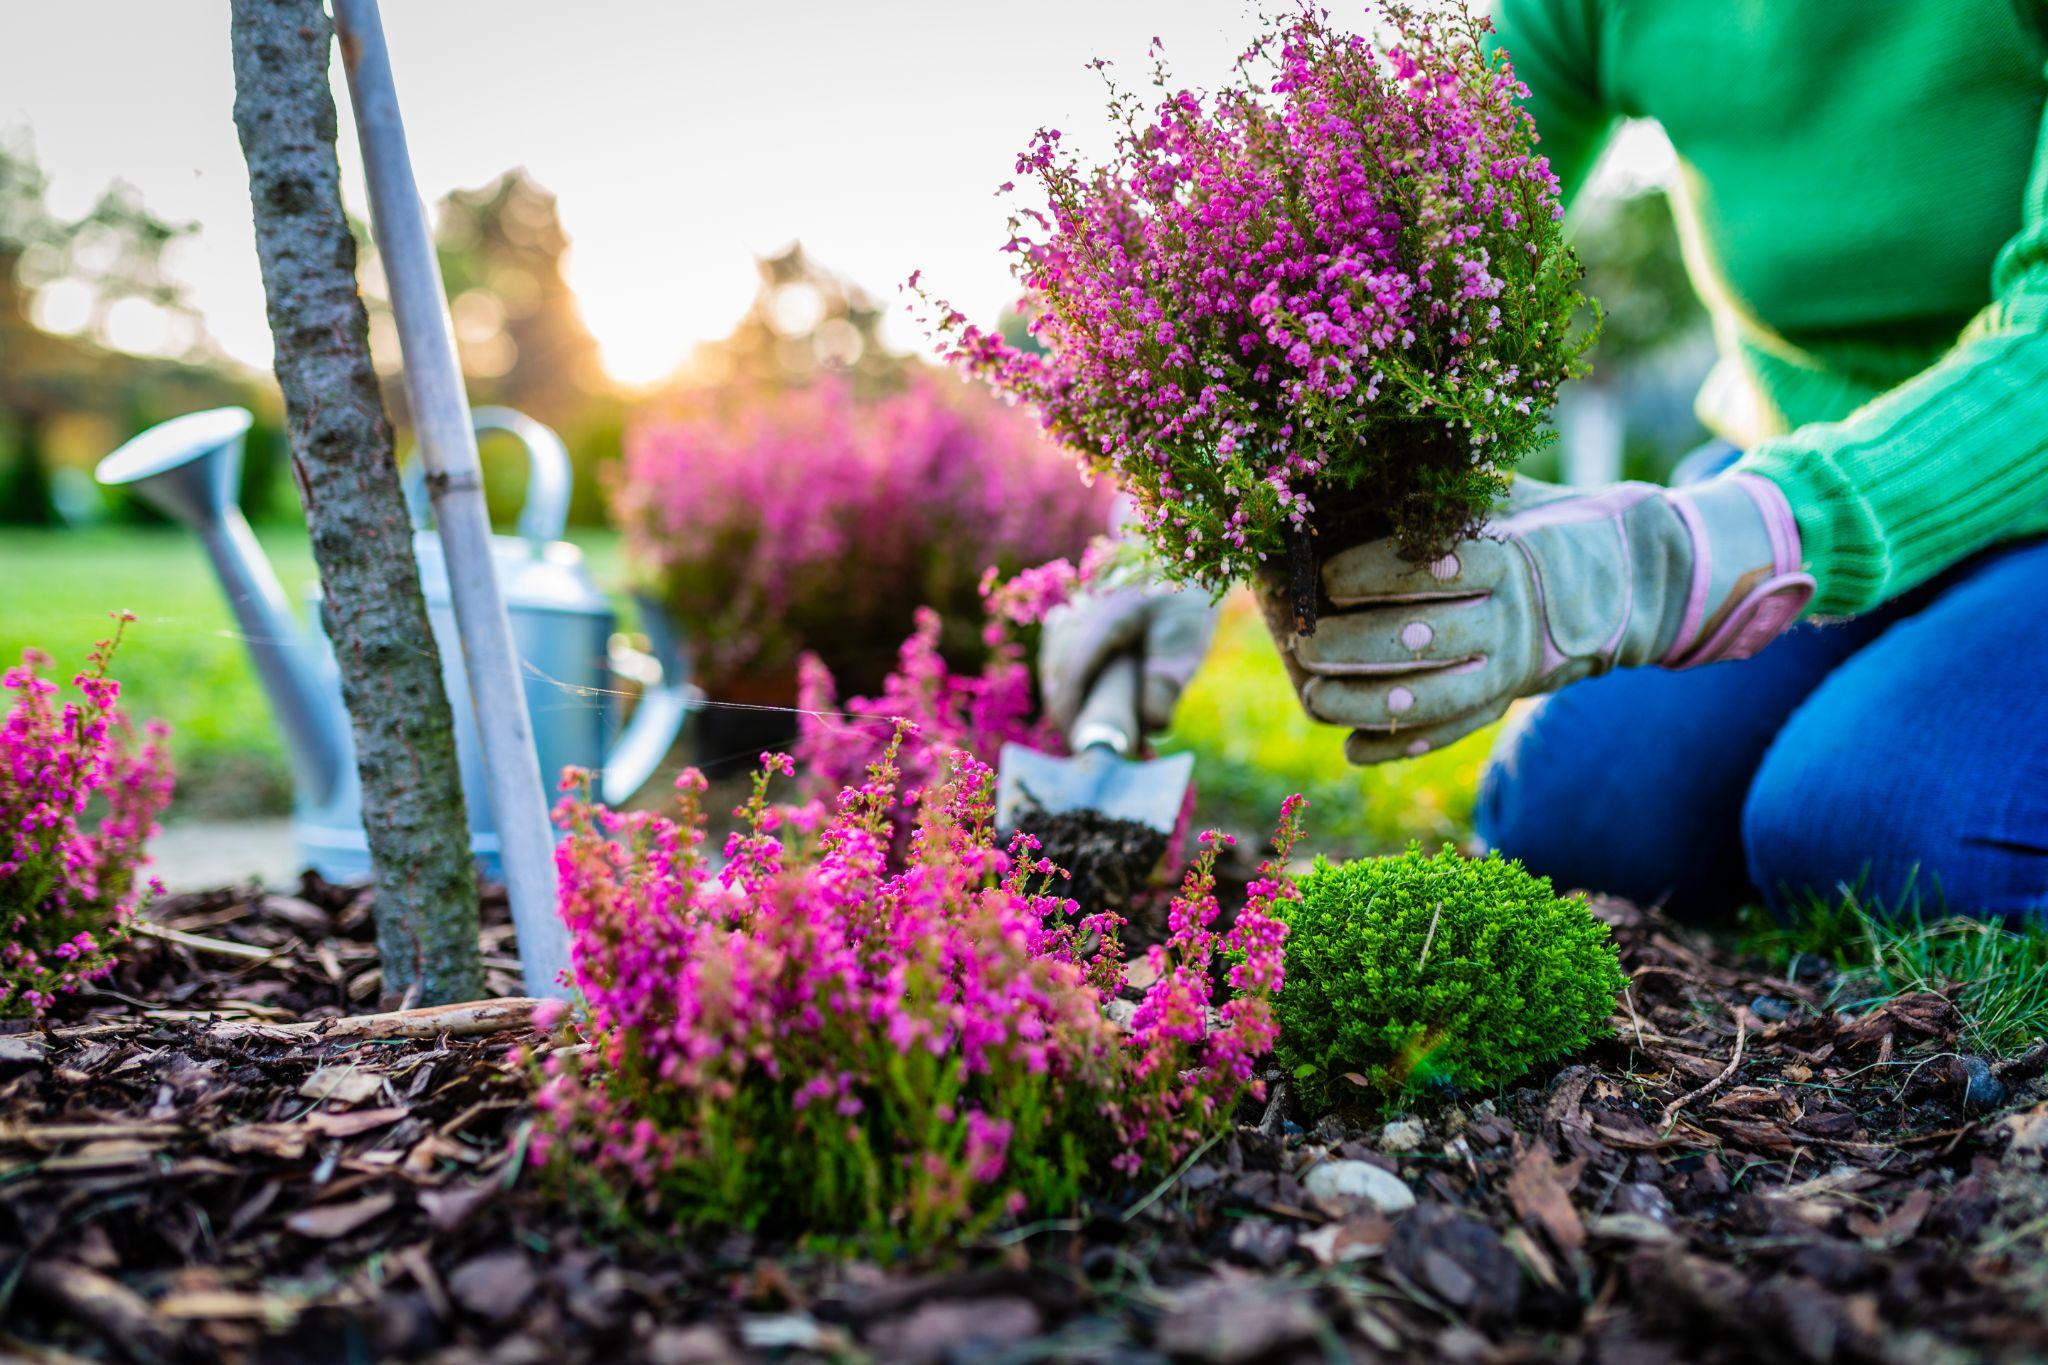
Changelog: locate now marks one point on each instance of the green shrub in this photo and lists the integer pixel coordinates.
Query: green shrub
(1428, 970)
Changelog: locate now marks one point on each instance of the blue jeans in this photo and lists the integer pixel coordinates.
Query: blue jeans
(1902, 753)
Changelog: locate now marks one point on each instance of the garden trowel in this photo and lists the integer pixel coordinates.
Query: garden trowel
(1100, 776)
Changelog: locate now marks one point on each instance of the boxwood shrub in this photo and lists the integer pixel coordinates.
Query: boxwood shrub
(1428, 970)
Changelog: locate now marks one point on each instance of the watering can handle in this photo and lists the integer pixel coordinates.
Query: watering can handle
(545, 514)
(664, 705)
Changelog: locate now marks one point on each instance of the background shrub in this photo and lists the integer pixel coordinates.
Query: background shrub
(779, 521)
(1436, 969)
(79, 797)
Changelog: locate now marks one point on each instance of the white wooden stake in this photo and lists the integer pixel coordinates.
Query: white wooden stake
(440, 412)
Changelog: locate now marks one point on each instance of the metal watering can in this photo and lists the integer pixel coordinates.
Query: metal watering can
(190, 468)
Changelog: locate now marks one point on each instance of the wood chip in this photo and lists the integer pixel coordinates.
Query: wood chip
(329, 1124)
(342, 1084)
(328, 1221)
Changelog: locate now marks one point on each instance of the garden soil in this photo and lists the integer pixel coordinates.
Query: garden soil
(214, 1158)
(1109, 862)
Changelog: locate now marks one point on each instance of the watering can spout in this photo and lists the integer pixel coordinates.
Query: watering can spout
(189, 468)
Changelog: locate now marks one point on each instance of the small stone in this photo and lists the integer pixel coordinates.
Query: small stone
(1643, 1199)
(1224, 1322)
(1331, 1129)
(1631, 1227)
(955, 1329)
(1982, 1090)
(22, 1049)
(699, 1345)
(1403, 1135)
(1459, 1260)
(781, 1332)
(1261, 1241)
(302, 915)
(1772, 1009)
(1338, 1182)
(498, 1286)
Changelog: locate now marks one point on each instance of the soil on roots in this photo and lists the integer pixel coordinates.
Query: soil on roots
(1109, 862)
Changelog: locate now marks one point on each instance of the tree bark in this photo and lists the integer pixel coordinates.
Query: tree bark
(347, 476)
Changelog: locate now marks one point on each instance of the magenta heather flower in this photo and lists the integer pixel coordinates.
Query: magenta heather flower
(1332, 296)
(79, 799)
(813, 1035)
(777, 522)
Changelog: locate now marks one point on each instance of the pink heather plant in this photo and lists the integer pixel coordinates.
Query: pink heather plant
(927, 711)
(67, 891)
(811, 1037)
(1330, 297)
(791, 520)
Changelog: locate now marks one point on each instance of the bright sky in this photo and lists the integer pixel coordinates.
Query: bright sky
(682, 136)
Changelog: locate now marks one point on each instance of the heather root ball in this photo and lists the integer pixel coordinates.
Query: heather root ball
(1430, 970)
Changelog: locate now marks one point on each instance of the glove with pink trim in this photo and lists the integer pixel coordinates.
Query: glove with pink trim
(1562, 585)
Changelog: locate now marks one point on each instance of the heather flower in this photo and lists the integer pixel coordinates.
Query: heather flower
(79, 797)
(1330, 297)
(813, 1035)
(925, 711)
(774, 523)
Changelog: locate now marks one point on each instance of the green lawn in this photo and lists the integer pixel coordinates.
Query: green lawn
(182, 659)
(1254, 745)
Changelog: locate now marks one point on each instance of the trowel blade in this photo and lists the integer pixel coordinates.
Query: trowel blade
(1149, 792)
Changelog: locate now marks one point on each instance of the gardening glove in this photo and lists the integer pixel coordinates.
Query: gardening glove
(1168, 629)
(1560, 585)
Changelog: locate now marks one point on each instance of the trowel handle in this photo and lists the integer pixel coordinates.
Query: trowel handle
(1108, 717)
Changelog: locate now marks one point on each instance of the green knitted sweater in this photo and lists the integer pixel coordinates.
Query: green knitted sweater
(1863, 204)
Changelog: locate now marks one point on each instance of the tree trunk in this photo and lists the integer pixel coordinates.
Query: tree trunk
(347, 476)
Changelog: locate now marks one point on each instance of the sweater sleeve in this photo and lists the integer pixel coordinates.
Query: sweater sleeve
(1554, 47)
(1951, 461)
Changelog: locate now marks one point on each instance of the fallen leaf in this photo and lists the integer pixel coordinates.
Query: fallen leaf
(1353, 1239)
(2029, 1131)
(449, 1209)
(328, 1221)
(1540, 1192)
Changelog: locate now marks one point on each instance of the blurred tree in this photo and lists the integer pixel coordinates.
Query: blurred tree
(1636, 271)
(68, 396)
(1633, 415)
(520, 335)
(804, 321)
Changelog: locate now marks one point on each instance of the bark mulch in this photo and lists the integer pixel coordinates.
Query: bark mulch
(219, 1159)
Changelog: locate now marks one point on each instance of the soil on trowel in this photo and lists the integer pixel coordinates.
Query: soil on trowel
(1109, 861)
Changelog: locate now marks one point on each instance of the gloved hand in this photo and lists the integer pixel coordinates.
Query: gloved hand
(1561, 585)
(1168, 629)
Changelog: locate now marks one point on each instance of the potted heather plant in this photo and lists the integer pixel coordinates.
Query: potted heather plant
(1326, 303)
(79, 798)
(771, 523)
